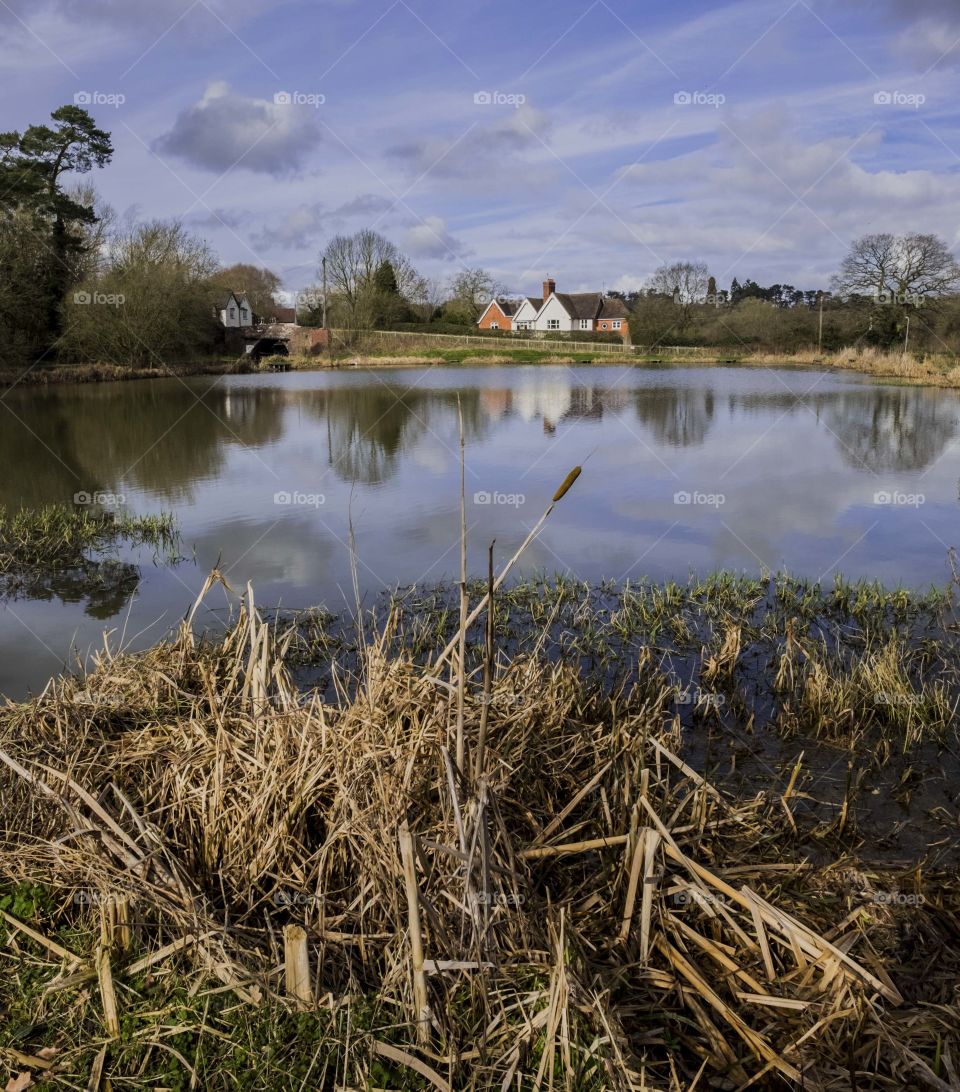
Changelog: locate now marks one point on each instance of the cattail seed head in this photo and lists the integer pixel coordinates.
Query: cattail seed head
(567, 482)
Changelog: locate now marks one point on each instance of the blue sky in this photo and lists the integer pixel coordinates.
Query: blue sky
(759, 136)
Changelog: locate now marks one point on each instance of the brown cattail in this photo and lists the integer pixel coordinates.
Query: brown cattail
(567, 482)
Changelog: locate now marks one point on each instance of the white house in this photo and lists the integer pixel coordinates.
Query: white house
(234, 311)
(566, 312)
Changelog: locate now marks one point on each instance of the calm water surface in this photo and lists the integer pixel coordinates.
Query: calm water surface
(685, 469)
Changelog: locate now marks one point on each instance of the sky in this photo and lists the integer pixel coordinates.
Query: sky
(587, 140)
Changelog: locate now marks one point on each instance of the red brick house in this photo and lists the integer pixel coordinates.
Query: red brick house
(559, 312)
(498, 315)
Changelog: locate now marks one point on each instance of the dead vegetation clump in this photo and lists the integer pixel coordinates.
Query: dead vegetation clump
(572, 906)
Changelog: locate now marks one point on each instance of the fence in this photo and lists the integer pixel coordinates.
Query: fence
(410, 338)
(469, 341)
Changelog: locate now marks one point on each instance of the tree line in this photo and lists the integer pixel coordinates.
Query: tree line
(78, 285)
(890, 290)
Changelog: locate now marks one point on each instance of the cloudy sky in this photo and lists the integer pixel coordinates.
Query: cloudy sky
(587, 140)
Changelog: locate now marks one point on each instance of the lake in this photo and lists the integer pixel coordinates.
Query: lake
(684, 470)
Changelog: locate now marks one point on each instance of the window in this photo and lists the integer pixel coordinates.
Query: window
(616, 324)
(233, 312)
(603, 326)
(584, 324)
(553, 324)
(494, 325)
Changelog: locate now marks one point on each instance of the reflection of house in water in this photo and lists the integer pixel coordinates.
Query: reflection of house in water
(496, 402)
(553, 403)
(548, 399)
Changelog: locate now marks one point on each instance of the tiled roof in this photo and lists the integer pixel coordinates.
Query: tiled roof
(614, 308)
(508, 307)
(581, 305)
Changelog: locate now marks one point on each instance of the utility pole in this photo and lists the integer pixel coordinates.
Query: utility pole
(906, 339)
(820, 333)
(324, 267)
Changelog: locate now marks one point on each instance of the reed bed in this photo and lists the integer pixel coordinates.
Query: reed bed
(59, 536)
(216, 880)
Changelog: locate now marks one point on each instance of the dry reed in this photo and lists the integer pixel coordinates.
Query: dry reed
(579, 910)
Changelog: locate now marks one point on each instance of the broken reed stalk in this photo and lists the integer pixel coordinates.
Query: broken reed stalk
(420, 1000)
(108, 996)
(504, 572)
(462, 650)
(296, 964)
(487, 670)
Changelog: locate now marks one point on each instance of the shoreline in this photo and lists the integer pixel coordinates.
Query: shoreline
(911, 370)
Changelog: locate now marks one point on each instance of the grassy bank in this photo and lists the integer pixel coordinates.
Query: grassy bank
(930, 370)
(942, 370)
(49, 375)
(534, 872)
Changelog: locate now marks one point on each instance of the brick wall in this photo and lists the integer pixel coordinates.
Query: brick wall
(495, 315)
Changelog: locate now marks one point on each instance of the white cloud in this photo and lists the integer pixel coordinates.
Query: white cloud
(225, 130)
(431, 239)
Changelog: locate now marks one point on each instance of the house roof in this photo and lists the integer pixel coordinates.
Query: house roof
(536, 302)
(614, 308)
(580, 305)
(239, 298)
(281, 314)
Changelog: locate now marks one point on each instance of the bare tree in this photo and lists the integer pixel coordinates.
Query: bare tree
(469, 293)
(352, 265)
(260, 285)
(427, 298)
(906, 270)
(150, 302)
(685, 282)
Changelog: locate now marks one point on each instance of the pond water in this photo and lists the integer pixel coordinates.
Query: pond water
(684, 470)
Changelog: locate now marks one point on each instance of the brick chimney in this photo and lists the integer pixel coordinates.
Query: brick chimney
(549, 287)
